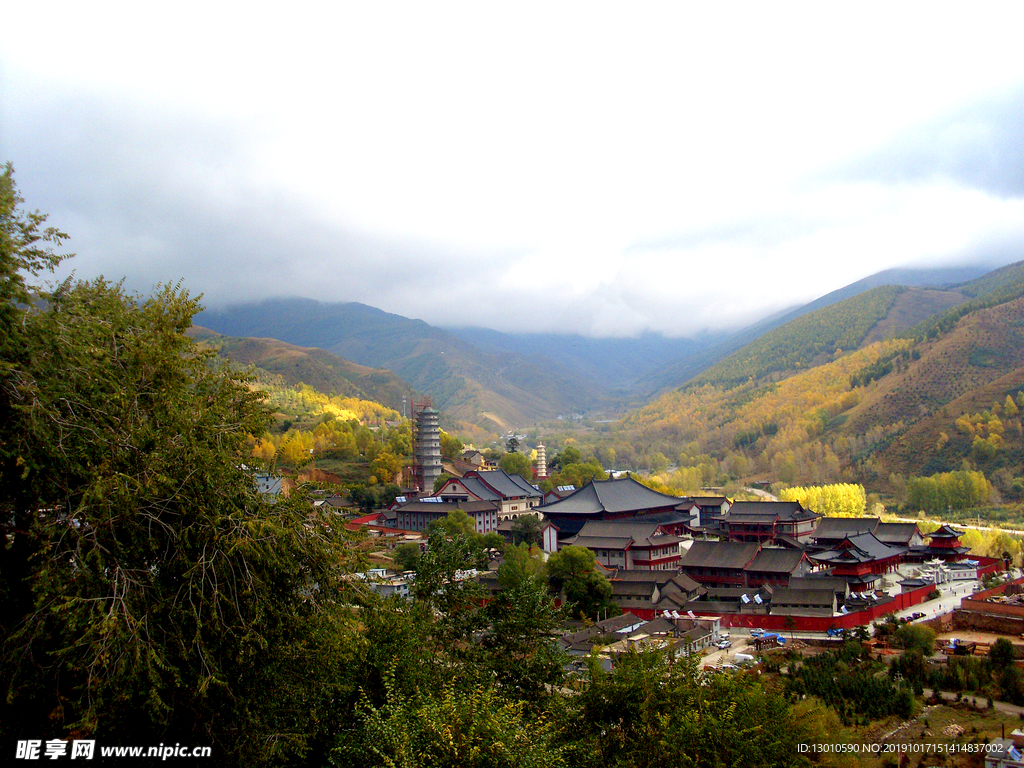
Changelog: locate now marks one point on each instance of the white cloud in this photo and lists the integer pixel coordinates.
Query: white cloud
(581, 168)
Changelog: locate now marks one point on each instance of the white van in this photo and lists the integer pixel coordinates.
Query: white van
(741, 658)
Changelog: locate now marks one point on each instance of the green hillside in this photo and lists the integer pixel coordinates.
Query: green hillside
(321, 370)
(807, 341)
(493, 391)
(902, 406)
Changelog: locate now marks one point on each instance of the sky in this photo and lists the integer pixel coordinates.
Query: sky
(603, 169)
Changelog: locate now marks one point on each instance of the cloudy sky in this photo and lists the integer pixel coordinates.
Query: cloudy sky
(604, 169)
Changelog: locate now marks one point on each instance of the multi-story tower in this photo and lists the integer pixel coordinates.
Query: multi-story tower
(542, 461)
(427, 449)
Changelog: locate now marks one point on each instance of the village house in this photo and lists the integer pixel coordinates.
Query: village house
(513, 495)
(417, 515)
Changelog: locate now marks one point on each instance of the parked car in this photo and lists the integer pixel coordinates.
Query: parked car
(916, 615)
(756, 632)
(723, 644)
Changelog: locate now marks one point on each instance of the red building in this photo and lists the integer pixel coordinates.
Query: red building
(633, 545)
(782, 522)
(944, 544)
(861, 560)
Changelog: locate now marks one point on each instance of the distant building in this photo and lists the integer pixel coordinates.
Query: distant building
(542, 461)
(427, 449)
(719, 563)
(268, 485)
(512, 493)
(861, 559)
(620, 499)
(632, 545)
(944, 544)
(384, 582)
(548, 533)
(780, 522)
(417, 515)
(711, 510)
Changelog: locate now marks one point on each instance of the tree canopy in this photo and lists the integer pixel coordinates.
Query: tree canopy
(148, 592)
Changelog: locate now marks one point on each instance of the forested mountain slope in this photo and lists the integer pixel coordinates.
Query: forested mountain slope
(808, 340)
(894, 408)
(619, 366)
(935, 283)
(965, 371)
(493, 390)
(321, 370)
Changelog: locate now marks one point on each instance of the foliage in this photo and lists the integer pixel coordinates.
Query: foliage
(520, 646)
(573, 570)
(527, 529)
(149, 591)
(458, 523)
(850, 687)
(948, 490)
(1001, 654)
(455, 728)
(386, 466)
(522, 563)
(371, 497)
(451, 447)
(916, 636)
(406, 556)
(826, 331)
(836, 500)
(648, 712)
(517, 464)
(444, 582)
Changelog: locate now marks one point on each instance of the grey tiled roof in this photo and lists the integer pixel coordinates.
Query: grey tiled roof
(863, 548)
(508, 486)
(719, 554)
(773, 560)
(621, 495)
(604, 533)
(757, 511)
(896, 533)
(819, 597)
(445, 507)
(839, 528)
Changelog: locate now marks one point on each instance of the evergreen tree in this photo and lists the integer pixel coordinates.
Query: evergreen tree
(148, 593)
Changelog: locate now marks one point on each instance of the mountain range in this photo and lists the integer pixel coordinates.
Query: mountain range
(491, 382)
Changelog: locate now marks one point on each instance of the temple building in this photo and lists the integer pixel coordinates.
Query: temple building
(944, 544)
(861, 559)
(417, 515)
(617, 499)
(742, 564)
(785, 523)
